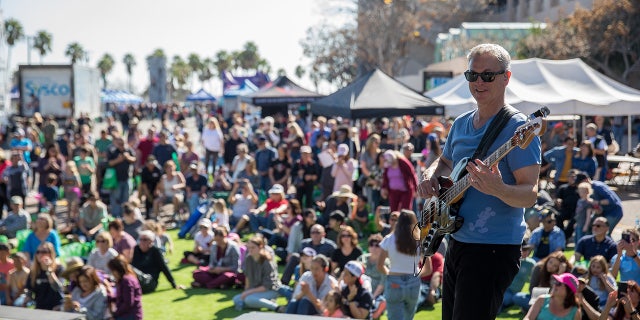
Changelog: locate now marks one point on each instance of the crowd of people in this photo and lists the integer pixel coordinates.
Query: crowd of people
(334, 202)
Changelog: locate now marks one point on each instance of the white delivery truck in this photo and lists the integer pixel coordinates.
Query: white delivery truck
(60, 90)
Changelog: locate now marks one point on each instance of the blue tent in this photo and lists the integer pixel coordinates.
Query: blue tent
(119, 96)
(201, 95)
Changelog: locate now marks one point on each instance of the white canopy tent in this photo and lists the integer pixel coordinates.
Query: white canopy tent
(567, 87)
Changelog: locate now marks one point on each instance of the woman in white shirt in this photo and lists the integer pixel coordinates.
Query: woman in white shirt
(103, 252)
(213, 142)
(402, 287)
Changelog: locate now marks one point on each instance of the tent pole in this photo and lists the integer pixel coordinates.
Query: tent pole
(629, 149)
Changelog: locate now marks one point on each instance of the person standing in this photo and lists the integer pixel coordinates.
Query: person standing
(120, 158)
(483, 256)
(402, 287)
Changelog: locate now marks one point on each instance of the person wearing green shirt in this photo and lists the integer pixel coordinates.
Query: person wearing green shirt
(86, 169)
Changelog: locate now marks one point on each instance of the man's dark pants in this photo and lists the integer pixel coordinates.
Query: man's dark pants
(476, 277)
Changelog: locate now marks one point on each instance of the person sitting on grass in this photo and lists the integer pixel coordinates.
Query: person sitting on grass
(125, 298)
(547, 238)
(313, 286)
(223, 268)
(43, 231)
(242, 199)
(356, 296)
(92, 214)
(333, 305)
(17, 219)
(89, 297)
(261, 278)
(202, 248)
(103, 252)
(148, 259)
(561, 303)
(360, 221)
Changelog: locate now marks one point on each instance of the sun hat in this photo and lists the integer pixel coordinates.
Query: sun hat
(277, 188)
(568, 279)
(355, 268)
(73, 264)
(16, 200)
(344, 192)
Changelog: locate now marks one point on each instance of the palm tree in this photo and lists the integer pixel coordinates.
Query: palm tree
(129, 61)
(223, 62)
(180, 71)
(193, 60)
(205, 74)
(14, 32)
(249, 57)
(75, 52)
(106, 66)
(42, 42)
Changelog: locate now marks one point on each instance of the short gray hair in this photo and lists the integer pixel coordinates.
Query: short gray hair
(148, 233)
(495, 50)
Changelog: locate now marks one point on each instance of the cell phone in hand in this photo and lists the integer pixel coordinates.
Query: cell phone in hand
(622, 289)
(626, 237)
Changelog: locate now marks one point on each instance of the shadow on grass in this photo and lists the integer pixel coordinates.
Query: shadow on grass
(221, 295)
(228, 313)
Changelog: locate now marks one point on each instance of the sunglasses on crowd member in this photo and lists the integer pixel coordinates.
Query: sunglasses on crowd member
(486, 76)
(374, 244)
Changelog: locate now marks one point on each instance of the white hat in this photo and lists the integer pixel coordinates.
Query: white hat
(205, 223)
(305, 149)
(345, 191)
(355, 268)
(343, 149)
(277, 188)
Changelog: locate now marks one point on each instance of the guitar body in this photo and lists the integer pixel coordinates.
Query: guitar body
(443, 217)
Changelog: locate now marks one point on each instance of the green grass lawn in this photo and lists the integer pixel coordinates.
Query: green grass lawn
(193, 303)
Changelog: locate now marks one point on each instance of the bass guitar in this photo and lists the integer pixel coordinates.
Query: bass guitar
(440, 214)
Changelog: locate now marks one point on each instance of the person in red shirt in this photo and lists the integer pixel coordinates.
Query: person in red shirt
(145, 146)
(431, 278)
(275, 206)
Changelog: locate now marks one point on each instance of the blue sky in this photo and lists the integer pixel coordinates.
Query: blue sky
(178, 27)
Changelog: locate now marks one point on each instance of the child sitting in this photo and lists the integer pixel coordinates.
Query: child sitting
(49, 195)
(220, 215)
(332, 304)
(599, 278)
(584, 210)
(17, 279)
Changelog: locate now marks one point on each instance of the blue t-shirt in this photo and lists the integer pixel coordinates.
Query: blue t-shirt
(32, 243)
(629, 269)
(488, 219)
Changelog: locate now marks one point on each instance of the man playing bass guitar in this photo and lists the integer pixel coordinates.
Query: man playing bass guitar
(483, 255)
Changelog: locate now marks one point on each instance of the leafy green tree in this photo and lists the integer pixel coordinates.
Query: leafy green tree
(75, 52)
(332, 53)
(129, 61)
(42, 42)
(605, 37)
(13, 32)
(249, 57)
(206, 72)
(300, 71)
(105, 65)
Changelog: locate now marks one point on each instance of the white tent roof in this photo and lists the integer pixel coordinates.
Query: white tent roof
(565, 86)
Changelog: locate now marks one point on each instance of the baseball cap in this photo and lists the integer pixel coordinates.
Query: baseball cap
(193, 165)
(308, 251)
(205, 223)
(262, 137)
(355, 268)
(277, 188)
(305, 149)
(568, 279)
(343, 149)
(337, 215)
(16, 200)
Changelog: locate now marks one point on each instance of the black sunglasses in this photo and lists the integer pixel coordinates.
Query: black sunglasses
(486, 76)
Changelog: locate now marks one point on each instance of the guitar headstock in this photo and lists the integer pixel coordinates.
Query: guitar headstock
(535, 126)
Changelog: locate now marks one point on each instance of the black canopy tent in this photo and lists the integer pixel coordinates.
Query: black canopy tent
(276, 96)
(375, 94)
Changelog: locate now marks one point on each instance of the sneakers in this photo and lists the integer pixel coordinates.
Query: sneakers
(281, 309)
(196, 284)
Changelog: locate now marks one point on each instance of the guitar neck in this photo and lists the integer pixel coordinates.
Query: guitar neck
(454, 193)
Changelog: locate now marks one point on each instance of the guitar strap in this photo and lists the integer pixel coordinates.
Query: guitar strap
(497, 124)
